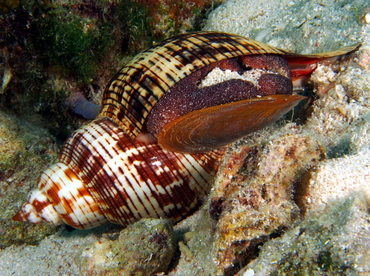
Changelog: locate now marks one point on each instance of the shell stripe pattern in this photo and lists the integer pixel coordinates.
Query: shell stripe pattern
(67, 199)
(130, 180)
(142, 82)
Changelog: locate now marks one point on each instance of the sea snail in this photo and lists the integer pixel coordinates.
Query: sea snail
(159, 136)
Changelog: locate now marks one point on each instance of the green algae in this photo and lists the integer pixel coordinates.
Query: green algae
(77, 44)
(8, 5)
(136, 26)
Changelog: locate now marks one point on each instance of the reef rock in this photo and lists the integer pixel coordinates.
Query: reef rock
(143, 248)
(334, 242)
(253, 195)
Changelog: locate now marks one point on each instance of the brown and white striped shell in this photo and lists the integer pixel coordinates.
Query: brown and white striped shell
(107, 171)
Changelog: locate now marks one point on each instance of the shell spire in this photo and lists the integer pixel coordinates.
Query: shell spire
(120, 181)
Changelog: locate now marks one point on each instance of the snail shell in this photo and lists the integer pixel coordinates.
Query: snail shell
(105, 172)
(103, 175)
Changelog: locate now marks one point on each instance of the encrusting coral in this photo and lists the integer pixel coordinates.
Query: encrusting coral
(253, 195)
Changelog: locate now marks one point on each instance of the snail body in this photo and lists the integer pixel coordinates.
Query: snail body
(107, 171)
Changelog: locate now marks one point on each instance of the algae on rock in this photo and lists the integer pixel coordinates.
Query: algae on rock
(143, 248)
(334, 242)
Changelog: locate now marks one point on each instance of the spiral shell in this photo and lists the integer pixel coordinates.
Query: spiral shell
(143, 81)
(104, 173)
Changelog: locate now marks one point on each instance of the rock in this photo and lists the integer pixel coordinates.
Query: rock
(10, 146)
(252, 197)
(196, 237)
(340, 115)
(26, 148)
(299, 26)
(333, 242)
(143, 248)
